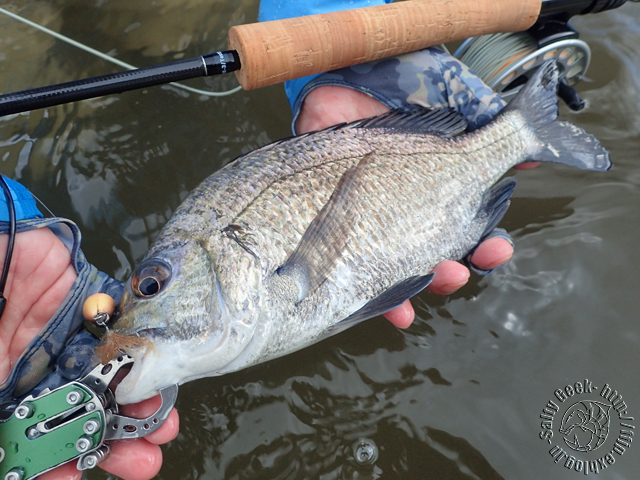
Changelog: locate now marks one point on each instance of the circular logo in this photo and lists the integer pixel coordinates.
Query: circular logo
(594, 431)
(585, 425)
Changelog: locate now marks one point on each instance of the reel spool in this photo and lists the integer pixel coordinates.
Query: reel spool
(505, 61)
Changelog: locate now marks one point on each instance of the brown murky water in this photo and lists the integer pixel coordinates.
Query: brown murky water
(459, 394)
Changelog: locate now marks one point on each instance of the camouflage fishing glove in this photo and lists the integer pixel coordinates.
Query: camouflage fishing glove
(62, 350)
(430, 77)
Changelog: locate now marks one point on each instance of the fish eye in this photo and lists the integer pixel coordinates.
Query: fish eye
(149, 278)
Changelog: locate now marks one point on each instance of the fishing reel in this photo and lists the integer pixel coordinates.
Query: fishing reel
(505, 61)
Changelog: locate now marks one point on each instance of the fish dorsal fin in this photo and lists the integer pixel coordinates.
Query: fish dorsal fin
(326, 237)
(444, 122)
(385, 302)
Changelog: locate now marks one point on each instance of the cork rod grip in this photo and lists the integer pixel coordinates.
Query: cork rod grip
(272, 52)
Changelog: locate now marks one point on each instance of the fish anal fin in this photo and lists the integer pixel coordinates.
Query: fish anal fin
(385, 302)
(325, 239)
(495, 204)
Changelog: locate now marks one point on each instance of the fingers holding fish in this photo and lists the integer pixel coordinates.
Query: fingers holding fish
(492, 253)
(450, 276)
(402, 316)
(68, 471)
(527, 166)
(135, 459)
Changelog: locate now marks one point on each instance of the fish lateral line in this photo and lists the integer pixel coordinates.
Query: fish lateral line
(289, 176)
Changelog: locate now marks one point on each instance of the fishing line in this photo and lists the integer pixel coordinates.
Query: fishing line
(53, 215)
(108, 58)
(12, 237)
(488, 55)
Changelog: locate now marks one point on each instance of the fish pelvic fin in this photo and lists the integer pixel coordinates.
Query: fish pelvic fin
(561, 142)
(385, 302)
(325, 239)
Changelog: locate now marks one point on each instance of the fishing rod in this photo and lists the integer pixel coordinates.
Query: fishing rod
(266, 53)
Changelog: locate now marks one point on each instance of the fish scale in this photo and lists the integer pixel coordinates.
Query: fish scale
(307, 236)
(271, 210)
(414, 240)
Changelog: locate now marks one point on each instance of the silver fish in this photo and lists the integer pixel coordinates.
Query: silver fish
(305, 237)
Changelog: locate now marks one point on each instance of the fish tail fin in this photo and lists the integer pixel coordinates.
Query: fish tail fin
(570, 145)
(561, 142)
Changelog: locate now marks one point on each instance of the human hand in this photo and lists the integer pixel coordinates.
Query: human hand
(329, 105)
(40, 278)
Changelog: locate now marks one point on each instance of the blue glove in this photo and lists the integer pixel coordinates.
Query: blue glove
(23, 203)
(279, 9)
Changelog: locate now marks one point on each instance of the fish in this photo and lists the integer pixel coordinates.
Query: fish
(305, 237)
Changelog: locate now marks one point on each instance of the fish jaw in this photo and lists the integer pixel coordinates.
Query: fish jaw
(169, 361)
(152, 372)
(132, 389)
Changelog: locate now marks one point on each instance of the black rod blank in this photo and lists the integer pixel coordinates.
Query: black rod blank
(205, 65)
(552, 11)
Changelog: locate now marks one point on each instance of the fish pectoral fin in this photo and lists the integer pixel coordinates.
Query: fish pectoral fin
(385, 302)
(444, 122)
(495, 204)
(326, 237)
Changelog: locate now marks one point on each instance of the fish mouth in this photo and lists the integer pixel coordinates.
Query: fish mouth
(138, 345)
(153, 333)
(152, 371)
(126, 386)
(145, 379)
